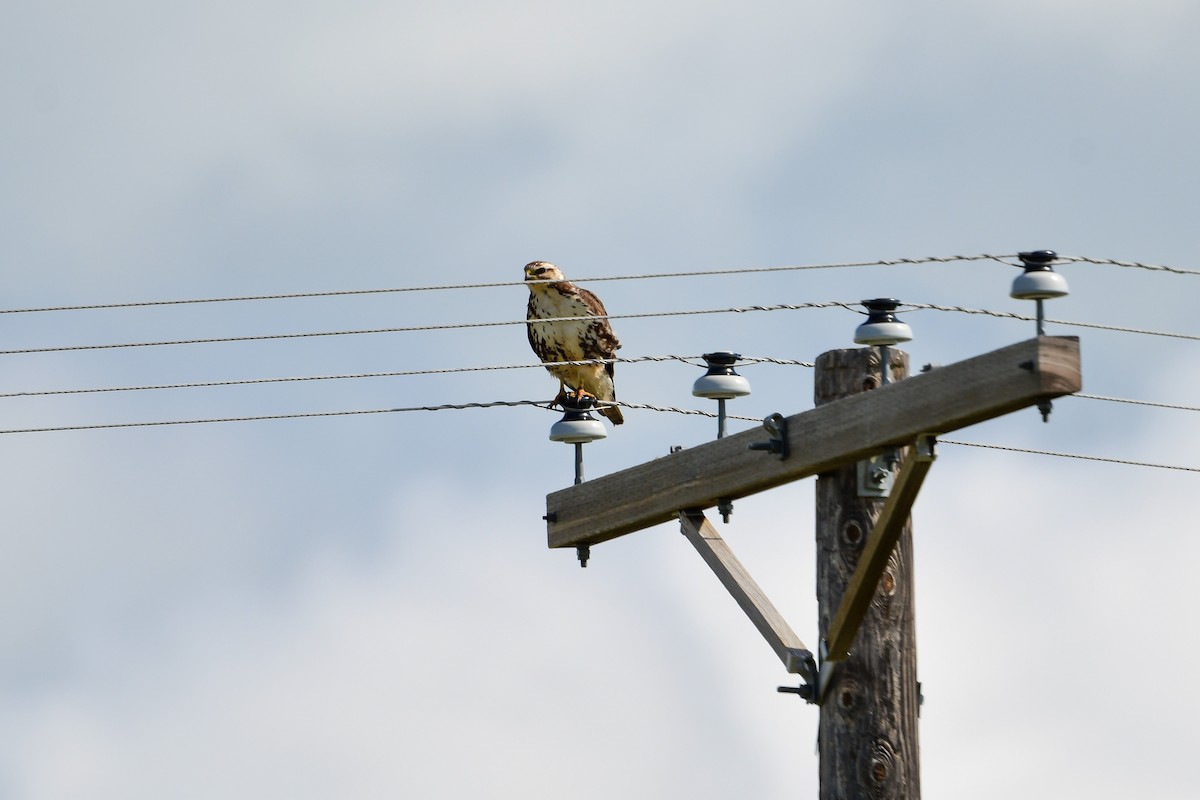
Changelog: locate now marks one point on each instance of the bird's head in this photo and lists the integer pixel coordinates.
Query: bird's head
(543, 271)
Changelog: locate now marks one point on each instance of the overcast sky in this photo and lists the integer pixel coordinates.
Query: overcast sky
(364, 606)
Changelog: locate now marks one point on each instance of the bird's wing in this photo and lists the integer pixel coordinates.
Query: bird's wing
(606, 343)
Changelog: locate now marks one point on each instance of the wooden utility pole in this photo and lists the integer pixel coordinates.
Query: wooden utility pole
(868, 730)
(864, 674)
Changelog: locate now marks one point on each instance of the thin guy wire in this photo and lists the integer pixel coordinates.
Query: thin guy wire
(416, 328)
(1122, 461)
(352, 292)
(1175, 406)
(1010, 315)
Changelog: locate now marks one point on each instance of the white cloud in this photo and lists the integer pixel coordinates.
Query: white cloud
(393, 677)
(365, 606)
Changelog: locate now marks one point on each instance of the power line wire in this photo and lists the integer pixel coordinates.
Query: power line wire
(306, 415)
(1151, 403)
(850, 306)
(544, 405)
(683, 274)
(441, 371)
(1122, 461)
(784, 362)
(690, 360)
(1129, 264)
(673, 410)
(312, 414)
(416, 328)
(1010, 315)
(395, 290)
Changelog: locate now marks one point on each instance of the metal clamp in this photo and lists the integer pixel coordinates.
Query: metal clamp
(875, 476)
(776, 425)
(806, 666)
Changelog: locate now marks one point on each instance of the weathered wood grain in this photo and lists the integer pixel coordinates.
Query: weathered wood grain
(873, 560)
(770, 623)
(821, 439)
(868, 739)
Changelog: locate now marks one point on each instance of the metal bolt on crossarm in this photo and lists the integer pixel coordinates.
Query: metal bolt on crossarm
(578, 427)
(1039, 282)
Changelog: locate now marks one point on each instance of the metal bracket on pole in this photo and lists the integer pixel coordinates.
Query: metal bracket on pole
(796, 658)
(875, 476)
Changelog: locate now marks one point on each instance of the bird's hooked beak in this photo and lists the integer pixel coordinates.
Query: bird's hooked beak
(536, 270)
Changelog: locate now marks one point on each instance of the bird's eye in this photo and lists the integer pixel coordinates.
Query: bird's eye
(539, 270)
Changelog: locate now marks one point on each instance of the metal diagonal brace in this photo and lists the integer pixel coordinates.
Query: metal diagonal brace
(715, 551)
(873, 560)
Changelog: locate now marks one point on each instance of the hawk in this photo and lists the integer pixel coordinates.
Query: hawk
(571, 340)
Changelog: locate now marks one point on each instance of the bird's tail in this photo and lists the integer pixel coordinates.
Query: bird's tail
(613, 413)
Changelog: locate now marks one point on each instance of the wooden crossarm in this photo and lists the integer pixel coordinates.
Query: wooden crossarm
(821, 439)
